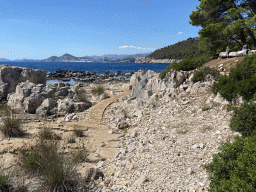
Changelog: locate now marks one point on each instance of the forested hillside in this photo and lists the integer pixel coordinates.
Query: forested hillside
(180, 50)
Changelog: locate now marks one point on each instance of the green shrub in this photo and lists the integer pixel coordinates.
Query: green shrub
(81, 95)
(200, 74)
(241, 81)
(244, 119)
(186, 64)
(234, 168)
(4, 186)
(56, 173)
(98, 90)
(11, 125)
(163, 73)
(189, 63)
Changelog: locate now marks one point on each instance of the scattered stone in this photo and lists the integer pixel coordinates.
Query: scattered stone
(122, 125)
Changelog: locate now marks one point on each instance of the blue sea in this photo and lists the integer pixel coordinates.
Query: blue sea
(99, 68)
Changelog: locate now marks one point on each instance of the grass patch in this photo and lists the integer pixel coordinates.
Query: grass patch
(56, 173)
(78, 132)
(205, 107)
(71, 140)
(98, 90)
(81, 95)
(47, 134)
(4, 186)
(11, 125)
(125, 131)
(153, 105)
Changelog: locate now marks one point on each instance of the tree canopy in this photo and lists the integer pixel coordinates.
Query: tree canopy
(180, 50)
(225, 23)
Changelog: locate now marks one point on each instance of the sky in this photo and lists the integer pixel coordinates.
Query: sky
(38, 29)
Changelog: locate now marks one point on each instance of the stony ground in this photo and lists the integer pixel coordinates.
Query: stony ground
(166, 144)
(163, 148)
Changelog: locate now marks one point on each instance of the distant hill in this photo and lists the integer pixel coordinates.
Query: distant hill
(67, 58)
(115, 56)
(3, 59)
(180, 50)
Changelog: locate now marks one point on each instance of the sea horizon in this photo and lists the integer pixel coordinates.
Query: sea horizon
(97, 67)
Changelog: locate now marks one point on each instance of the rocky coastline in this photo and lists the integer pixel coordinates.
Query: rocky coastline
(154, 139)
(87, 77)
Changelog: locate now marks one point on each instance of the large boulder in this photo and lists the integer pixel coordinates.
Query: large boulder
(40, 99)
(15, 100)
(150, 83)
(11, 76)
(46, 107)
(32, 102)
(136, 77)
(65, 106)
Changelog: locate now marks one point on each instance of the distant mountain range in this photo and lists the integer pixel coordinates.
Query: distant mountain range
(70, 58)
(3, 59)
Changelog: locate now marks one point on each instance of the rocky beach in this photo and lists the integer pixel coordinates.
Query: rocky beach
(145, 134)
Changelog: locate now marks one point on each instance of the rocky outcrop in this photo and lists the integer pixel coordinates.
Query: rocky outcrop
(150, 83)
(175, 84)
(11, 76)
(45, 100)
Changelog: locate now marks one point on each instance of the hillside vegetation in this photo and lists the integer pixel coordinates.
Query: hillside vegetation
(180, 50)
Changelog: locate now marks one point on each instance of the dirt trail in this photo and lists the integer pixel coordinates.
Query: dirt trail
(96, 112)
(99, 136)
(96, 135)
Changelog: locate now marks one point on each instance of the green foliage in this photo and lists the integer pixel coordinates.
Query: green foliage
(186, 64)
(200, 74)
(56, 172)
(241, 81)
(163, 73)
(233, 169)
(180, 50)
(81, 95)
(205, 107)
(189, 63)
(225, 23)
(11, 125)
(4, 186)
(244, 119)
(98, 90)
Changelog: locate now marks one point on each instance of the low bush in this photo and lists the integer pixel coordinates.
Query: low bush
(78, 132)
(191, 63)
(56, 173)
(187, 64)
(163, 73)
(81, 95)
(241, 81)
(4, 186)
(47, 134)
(98, 90)
(244, 119)
(200, 74)
(233, 169)
(11, 125)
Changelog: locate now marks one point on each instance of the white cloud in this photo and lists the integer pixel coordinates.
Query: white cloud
(180, 33)
(123, 47)
(133, 47)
